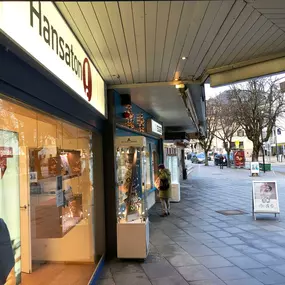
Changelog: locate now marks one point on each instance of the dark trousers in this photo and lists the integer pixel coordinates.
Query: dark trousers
(221, 165)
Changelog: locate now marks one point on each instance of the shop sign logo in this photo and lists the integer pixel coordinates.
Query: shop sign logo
(5, 152)
(64, 50)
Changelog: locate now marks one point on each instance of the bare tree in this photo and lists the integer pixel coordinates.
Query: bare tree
(227, 125)
(211, 121)
(258, 104)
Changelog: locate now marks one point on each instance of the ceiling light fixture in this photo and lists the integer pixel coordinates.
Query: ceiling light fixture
(176, 79)
(183, 57)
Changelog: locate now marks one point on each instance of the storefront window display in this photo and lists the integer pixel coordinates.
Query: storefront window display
(132, 223)
(46, 193)
(172, 163)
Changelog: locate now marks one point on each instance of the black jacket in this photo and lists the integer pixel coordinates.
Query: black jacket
(7, 260)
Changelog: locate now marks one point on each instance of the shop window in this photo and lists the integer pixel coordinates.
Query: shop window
(240, 133)
(46, 168)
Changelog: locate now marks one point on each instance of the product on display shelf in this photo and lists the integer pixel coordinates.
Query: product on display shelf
(129, 184)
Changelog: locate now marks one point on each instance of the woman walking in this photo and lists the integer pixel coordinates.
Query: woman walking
(163, 184)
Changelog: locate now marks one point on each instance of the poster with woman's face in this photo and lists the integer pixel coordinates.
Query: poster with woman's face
(265, 196)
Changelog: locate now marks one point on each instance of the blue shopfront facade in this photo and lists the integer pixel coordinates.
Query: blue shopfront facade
(35, 83)
(154, 148)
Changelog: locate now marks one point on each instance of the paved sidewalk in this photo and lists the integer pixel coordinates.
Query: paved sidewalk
(198, 246)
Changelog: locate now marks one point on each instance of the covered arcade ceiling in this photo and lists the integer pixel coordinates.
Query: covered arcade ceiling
(144, 44)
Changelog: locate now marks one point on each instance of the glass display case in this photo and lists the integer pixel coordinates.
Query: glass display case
(172, 163)
(131, 174)
(132, 216)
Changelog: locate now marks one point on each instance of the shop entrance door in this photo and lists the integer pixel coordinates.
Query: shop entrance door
(25, 211)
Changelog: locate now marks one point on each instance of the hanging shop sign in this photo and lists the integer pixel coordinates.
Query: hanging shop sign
(154, 127)
(265, 197)
(254, 167)
(40, 30)
(239, 158)
(132, 141)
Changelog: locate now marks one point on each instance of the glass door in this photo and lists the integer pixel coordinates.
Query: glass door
(10, 256)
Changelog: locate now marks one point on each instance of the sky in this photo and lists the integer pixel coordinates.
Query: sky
(213, 92)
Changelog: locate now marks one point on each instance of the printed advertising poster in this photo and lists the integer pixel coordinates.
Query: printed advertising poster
(10, 251)
(254, 167)
(265, 197)
(239, 159)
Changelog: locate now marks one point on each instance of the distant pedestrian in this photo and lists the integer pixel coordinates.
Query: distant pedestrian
(221, 161)
(163, 184)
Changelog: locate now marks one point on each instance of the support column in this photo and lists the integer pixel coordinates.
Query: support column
(110, 178)
(184, 170)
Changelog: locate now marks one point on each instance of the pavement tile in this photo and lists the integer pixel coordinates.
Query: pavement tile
(109, 281)
(194, 250)
(247, 227)
(278, 239)
(187, 238)
(262, 243)
(155, 258)
(278, 251)
(214, 243)
(247, 249)
(175, 233)
(170, 250)
(220, 224)
(279, 268)
(246, 236)
(230, 273)
(220, 234)
(158, 270)
(106, 273)
(249, 281)
(161, 240)
(182, 260)
(214, 261)
(201, 236)
(209, 228)
(266, 276)
(192, 229)
(124, 267)
(245, 262)
(234, 230)
(131, 278)
(172, 280)
(208, 282)
(232, 240)
(196, 273)
(267, 259)
(272, 228)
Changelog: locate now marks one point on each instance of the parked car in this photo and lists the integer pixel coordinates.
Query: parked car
(198, 158)
(189, 155)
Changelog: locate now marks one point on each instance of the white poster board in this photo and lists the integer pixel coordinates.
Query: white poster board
(265, 197)
(254, 167)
